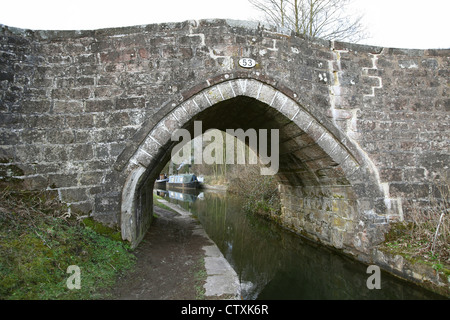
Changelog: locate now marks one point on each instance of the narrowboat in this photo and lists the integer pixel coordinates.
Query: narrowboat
(184, 181)
(161, 183)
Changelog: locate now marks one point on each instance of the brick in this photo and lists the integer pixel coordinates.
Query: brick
(61, 106)
(80, 121)
(73, 194)
(409, 191)
(81, 152)
(98, 105)
(57, 180)
(130, 103)
(35, 106)
(91, 178)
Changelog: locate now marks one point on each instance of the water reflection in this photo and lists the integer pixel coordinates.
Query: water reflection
(176, 195)
(273, 263)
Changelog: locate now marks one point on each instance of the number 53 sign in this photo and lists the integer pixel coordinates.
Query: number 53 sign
(247, 63)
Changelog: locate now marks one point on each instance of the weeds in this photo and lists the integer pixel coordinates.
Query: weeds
(426, 232)
(200, 278)
(260, 192)
(39, 240)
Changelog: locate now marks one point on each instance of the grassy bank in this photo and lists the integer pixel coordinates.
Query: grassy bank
(39, 241)
(425, 236)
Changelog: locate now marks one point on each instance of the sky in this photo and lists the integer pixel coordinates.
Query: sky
(418, 24)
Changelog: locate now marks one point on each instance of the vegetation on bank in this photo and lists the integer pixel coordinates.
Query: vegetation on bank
(159, 204)
(39, 240)
(260, 192)
(424, 237)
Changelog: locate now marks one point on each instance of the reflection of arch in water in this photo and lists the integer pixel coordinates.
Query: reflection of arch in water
(185, 196)
(188, 196)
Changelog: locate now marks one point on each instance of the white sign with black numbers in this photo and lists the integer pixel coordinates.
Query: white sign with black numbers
(247, 63)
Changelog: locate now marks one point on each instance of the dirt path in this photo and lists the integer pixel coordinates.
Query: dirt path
(169, 262)
(177, 261)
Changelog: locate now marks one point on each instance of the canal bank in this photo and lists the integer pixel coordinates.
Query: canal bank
(221, 281)
(425, 275)
(177, 261)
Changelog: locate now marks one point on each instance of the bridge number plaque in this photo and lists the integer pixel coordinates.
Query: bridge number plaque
(247, 63)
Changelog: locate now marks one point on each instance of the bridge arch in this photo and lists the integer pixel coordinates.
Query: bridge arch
(330, 190)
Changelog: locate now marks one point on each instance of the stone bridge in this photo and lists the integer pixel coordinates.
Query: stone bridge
(364, 130)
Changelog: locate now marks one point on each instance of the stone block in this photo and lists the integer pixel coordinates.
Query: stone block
(351, 168)
(213, 95)
(62, 106)
(73, 194)
(83, 208)
(190, 107)
(315, 131)
(143, 158)
(290, 109)
(59, 136)
(130, 103)
(60, 180)
(226, 90)
(171, 123)
(28, 154)
(80, 121)
(35, 106)
(34, 182)
(54, 153)
(181, 115)
(107, 203)
(161, 134)
(201, 101)
(303, 120)
(409, 190)
(99, 105)
(91, 178)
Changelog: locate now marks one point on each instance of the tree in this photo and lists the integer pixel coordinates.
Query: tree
(326, 19)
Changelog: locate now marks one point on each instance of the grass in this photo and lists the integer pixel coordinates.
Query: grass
(39, 240)
(414, 243)
(160, 204)
(200, 278)
(425, 236)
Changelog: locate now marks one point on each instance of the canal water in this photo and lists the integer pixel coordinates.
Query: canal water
(273, 263)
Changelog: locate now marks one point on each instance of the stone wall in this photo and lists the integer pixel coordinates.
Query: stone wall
(78, 107)
(400, 117)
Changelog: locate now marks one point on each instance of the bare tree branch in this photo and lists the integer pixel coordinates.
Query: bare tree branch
(326, 19)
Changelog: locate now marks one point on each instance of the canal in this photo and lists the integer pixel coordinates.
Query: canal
(274, 263)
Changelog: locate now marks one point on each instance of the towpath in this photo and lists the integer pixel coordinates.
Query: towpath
(177, 261)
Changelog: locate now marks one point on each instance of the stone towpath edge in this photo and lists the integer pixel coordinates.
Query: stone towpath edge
(222, 280)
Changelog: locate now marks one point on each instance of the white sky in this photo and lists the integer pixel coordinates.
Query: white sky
(417, 24)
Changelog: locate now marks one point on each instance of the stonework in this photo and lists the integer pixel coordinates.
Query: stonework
(89, 114)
